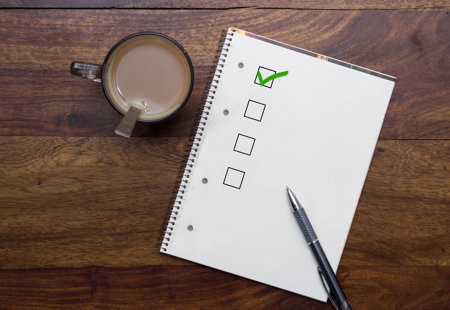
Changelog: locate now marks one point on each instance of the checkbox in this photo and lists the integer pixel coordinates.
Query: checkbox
(254, 110)
(244, 144)
(264, 73)
(234, 178)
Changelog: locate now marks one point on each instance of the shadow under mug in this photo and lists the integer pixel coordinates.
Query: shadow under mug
(146, 76)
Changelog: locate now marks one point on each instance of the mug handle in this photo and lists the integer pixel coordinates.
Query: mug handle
(86, 70)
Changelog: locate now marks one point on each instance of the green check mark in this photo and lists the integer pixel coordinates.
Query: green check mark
(271, 77)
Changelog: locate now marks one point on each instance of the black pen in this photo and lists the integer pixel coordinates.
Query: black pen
(331, 284)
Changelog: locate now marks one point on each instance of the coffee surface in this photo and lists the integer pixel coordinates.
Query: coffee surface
(149, 73)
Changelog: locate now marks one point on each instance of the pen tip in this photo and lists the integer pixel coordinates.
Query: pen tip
(287, 188)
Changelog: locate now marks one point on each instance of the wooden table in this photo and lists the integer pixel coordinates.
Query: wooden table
(81, 209)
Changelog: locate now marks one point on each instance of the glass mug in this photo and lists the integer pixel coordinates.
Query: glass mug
(146, 76)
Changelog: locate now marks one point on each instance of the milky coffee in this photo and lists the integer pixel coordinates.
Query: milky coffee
(150, 72)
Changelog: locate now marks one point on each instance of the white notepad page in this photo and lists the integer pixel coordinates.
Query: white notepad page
(314, 130)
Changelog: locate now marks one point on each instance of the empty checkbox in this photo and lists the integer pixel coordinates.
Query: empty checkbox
(254, 110)
(234, 178)
(244, 144)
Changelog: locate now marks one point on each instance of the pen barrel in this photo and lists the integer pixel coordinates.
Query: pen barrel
(334, 287)
(305, 225)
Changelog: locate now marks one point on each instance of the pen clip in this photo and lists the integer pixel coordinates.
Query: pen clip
(327, 288)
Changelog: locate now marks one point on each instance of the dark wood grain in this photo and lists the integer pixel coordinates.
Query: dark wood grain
(201, 4)
(403, 212)
(85, 201)
(198, 287)
(413, 46)
(81, 209)
(74, 202)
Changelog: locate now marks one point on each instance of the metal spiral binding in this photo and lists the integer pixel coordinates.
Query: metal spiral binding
(196, 138)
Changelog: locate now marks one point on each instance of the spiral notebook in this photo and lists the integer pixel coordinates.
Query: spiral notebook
(276, 115)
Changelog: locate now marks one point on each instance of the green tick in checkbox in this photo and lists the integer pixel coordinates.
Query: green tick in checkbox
(266, 76)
